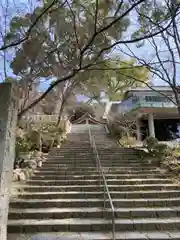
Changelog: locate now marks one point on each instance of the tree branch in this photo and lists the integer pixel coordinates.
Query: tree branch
(91, 40)
(96, 16)
(28, 33)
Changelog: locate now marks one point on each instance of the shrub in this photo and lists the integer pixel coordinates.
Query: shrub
(49, 133)
(160, 149)
(117, 130)
(143, 154)
(151, 143)
(176, 152)
(22, 145)
(127, 141)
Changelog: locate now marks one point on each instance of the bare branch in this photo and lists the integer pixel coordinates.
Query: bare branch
(119, 7)
(150, 87)
(74, 24)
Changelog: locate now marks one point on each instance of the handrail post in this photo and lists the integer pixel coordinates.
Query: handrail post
(113, 226)
(89, 135)
(104, 197)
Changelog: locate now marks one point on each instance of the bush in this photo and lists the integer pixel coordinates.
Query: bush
(117, 130)
(176, 152)
(127, 141)
(49, 132)
(151, 143)
(162, 152)
(22, 145)
(143, 154)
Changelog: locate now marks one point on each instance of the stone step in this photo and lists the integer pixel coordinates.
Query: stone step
(71, 152)
(79, 225)
(100, 148)
(85, 146)
(71, 156)
(138, 168)
(74, 144)
(84, 172)
(131, 235)
(93, 202)
(116, 152)
(96, 176)
(90, 163)
(94, 181)
(122, 213)
(149, 235)
(86, 159)
(119, 155)
(58, 203)
(100, 194)
(73, 165)
(105, 147)
(57, 213)
(93, 188)
(77, 165)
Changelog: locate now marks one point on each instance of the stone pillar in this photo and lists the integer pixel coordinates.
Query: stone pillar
(8, 120)
(107, 109)
(151, 125)
(138, 129)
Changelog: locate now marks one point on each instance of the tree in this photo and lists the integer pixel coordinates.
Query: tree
(120, 78)
(165, 51)
(62, 39)
(112, 78)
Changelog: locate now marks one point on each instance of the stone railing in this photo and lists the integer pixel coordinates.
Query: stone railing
(47, 119)
(41, 118)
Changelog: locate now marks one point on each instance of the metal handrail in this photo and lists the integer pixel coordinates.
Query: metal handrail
(106, 189)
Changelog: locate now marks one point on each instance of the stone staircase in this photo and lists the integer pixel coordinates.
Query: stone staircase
(64, 199)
